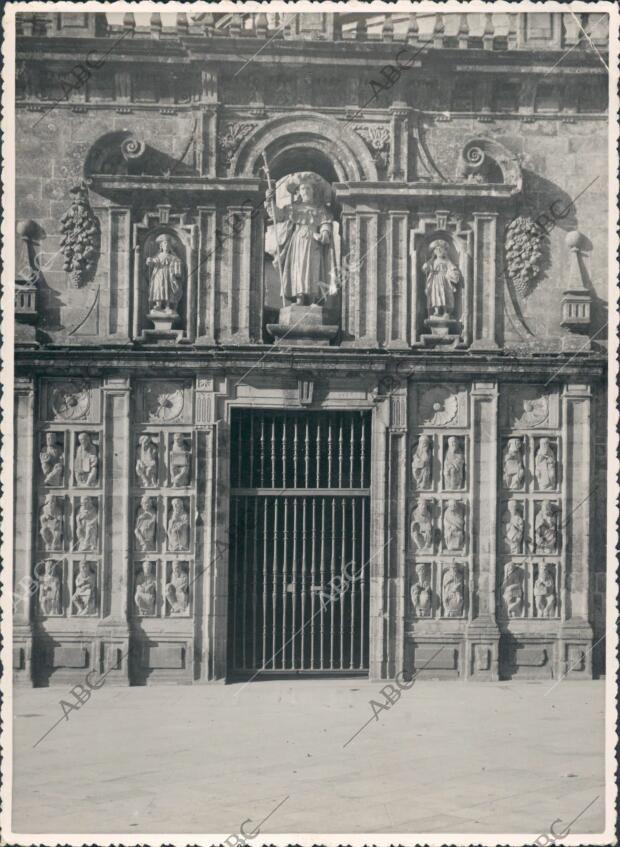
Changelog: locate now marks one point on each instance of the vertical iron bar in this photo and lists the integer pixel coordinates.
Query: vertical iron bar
(265, 502)
(303, 582)
(273, 452)
(352, 449)
(363, 455)
(235, 600)
(353, 570)
(307, 456)
(284, 573)
(343, 552)
(322, 579)
(245, 618)
(340, 440)
(284, 480)
(330, 481)
(318, 453)
(239, 443)
(333, 574)
(295, 456)
(252, 452)
(365, 576)
(255, 587)
(312, 583)
(262, 450)
(294, 598)
(274, 581)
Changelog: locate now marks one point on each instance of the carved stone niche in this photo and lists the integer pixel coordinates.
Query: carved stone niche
(164, 284)
(441, 252)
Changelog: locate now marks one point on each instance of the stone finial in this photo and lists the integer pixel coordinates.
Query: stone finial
(576, 300)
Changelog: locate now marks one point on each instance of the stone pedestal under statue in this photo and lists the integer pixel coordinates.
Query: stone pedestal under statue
(163, 326)
(298, 325)
(444, 332)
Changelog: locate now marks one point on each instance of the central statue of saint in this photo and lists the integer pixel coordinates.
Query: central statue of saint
(166, 280)
(303, 249)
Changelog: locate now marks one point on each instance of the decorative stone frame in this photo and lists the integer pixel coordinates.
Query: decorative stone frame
(185, 235)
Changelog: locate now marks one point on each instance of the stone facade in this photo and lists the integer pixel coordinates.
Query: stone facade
(461, 303)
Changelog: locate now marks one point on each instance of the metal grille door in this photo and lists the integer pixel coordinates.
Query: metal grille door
(299, 542)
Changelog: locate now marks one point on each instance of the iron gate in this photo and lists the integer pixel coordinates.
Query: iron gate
(299, 542)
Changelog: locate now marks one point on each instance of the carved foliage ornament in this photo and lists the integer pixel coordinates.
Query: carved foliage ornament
(377, 137)
(524, 252)
(234, 134)
(79, 244)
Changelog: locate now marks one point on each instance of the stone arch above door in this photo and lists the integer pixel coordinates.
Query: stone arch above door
(324, 142)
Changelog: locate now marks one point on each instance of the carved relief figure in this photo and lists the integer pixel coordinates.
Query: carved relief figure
(146, 524)
(421, 526)
(52, 459)
(86, 467)
(146, 590)
(50, 594)
(452, 591)
(147, 462)
(177, 590)
(512, 590)
(442, 279)
(85, 595)
(87, 524)
(544, 591)
(544, 466)
(514, 527)
(166, 279)
(454, 526)
(51, 523)
(422, 462)
(303, 253)
(421, 592)
(180, 460)
(454, 464)
(546, 529)
(178, 526)
(514, 471)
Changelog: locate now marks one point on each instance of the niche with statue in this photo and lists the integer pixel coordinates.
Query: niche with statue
(302, 247)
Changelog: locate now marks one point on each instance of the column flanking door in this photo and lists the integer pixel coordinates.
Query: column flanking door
(299, 542)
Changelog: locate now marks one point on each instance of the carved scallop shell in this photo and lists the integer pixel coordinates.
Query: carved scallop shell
(529, 409)
(438, 407)
(163, 402)
(70, 401)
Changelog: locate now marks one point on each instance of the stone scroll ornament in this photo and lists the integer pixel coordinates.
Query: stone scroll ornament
(523, 247)
(80, 239)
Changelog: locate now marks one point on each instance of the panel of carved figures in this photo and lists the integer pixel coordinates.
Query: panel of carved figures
(530, 588)
(439, 589)
(163, 459)
(66, 587)
(439, 482)
(162, 587)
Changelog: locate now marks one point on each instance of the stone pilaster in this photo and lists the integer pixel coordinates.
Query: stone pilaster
(23, 529)
(575, 647)
(113, 628)
(484, 319)
(482, 631)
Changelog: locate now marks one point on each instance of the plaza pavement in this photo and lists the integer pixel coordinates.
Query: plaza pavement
(446, 757)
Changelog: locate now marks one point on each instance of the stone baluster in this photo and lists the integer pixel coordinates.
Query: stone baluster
(489, 32)
(261, 25)
(361, 31)
(182, 25)
(387, 30)
(413, 30)
(156, 25)
(438, 31)
(512, 32)
(129, 21)
(463, 32)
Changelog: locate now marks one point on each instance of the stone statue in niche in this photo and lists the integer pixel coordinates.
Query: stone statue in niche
(442, 280)
(178, 526)
(51, 523)
(180, 460)
(514, 471)
(452, 591)
(454, 526)
(422, 462)
(87, 524)
(421, 592)
(146, 590)
(512, 590)
(303, 253)
(84, 597)
(514, 528)
(146, 524)
(86, 467)
(52, 459)
(177, 590)
(147, 462)
(421, 526)
(544, 591)
(545, 466)
(546, 529)
(166, 277)
(454, 464)
(50, 588)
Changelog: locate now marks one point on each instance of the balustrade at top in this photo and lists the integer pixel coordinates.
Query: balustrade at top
(491, 31)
